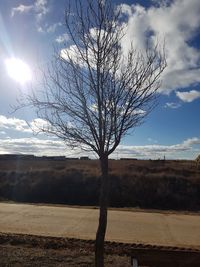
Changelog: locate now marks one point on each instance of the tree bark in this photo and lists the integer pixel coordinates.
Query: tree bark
(103, 206)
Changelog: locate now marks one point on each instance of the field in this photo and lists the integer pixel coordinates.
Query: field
(135, 184)
(159, 184)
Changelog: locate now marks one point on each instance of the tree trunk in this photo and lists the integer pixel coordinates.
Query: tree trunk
(103, 206)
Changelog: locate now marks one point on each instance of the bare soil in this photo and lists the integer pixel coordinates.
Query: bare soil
(25, 250)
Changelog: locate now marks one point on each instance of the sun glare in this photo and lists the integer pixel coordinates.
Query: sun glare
(18, 70)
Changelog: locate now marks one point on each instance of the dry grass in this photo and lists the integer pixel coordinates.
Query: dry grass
(116, 167)
(152, 184)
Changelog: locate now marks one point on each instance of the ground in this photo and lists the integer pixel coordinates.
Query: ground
(176, 233)
(25, 251)
(21, 250)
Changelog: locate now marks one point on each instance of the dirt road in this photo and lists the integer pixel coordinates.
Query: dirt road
(123, 226)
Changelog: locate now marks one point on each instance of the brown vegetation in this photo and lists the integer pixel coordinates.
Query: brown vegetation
(134, 183)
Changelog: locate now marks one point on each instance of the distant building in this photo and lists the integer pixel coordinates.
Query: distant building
(84, 158)
(128, 159)
(16, 156)
(72, 158)
(53, 158)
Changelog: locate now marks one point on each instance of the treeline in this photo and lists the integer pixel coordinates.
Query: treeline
(76, 188)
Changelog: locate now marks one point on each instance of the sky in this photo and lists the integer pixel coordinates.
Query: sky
(29, 31)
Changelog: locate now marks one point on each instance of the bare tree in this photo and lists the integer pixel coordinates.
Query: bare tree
(93, 93)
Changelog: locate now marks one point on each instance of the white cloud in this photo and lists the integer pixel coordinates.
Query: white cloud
(161, 2)
(38, 124)
(177, 22)
(39, 147)
(21, 9)
(191, 141)
(46, 28)
(159, 151)
(126, 9)
(53, 27)
(40, 29)
(34, 126)
(172, 105)
(44, 145)
(188, 96)
(72, 52)
(32, 145)
(62, 38)
(13, 124)
(40, 9)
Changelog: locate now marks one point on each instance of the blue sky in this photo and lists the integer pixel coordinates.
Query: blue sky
(29, 30)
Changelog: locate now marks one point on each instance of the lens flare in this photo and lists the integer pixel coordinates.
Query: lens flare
(18, 70)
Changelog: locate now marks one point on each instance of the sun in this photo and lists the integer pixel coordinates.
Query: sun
(18, 70)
